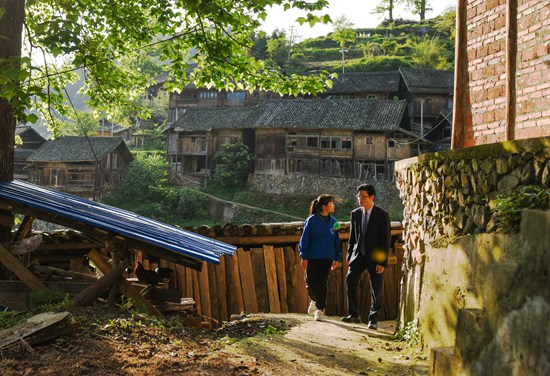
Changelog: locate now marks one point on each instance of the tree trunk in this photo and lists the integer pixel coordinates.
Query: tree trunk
(390, 9)
(11, 27)
(422, 10)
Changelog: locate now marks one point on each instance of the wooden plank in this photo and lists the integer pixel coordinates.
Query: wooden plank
(345, 267)
(291, 279)
(180, 279)
(281, 278)
(271, 279)
(247, 281)
(260, 278)
(222, 289)
(213, 291)
(196, 292)
(12, 263)
(188, 282)
(301, 291)
(236, 304)
(37, 329)
(204, 288)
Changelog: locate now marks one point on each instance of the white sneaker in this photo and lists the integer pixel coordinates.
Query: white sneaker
(318, 316)
(311, 309)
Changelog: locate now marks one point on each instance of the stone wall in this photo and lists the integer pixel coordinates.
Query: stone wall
(387, 194)
(449, 248)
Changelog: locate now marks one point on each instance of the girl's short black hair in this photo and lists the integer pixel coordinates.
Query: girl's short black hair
(318, 203)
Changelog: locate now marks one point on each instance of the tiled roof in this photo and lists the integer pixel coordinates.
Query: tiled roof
(79, 149)
(22, 129)
(366, 82)
(374, 115)
(428, 81)
(208, 118)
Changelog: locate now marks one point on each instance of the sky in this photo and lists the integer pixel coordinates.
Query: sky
(357, 11)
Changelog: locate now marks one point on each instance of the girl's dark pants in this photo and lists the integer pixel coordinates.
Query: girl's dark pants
(317, 281)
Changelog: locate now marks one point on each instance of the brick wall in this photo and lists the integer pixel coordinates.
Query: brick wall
(486, 59)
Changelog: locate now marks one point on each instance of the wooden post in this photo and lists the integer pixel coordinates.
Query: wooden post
(511, 65)
(461, 78)
(271, 279)
(236, 304)
(260, 280)
(281, 278)
(247, 281)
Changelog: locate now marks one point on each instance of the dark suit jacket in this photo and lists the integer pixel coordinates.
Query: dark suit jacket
(377, 238)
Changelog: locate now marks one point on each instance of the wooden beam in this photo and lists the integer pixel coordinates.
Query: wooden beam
(461, 78)
(64, 273)
(511, 66)
(125, 287)
(12, 263)
(91, 293)
(24, 228)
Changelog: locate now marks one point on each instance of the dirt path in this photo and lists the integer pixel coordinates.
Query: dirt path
(330, 347)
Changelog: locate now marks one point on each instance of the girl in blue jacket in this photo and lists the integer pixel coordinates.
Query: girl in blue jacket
(320, 251)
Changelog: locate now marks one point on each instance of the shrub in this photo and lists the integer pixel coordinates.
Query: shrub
(234, 163)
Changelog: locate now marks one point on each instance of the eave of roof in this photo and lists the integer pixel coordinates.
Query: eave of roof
(168, 241)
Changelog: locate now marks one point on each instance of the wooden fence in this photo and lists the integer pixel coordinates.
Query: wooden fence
(267, 278)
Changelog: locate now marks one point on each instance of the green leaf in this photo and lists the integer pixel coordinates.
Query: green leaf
(32, 118)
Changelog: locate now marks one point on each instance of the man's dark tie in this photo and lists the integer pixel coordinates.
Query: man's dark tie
(364, 223)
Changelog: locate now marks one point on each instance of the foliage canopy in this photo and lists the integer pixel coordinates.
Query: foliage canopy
(204, 42)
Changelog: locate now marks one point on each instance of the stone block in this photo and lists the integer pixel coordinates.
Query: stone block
(471, 333)
(444, 362)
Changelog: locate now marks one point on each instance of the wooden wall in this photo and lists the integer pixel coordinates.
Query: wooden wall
(270, 279)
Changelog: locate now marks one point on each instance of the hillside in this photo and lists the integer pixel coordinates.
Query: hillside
(419, 44)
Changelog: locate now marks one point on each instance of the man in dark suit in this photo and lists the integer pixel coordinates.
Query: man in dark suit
(369, 244)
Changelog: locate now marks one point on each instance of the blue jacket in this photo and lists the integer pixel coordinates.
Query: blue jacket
(320, 239)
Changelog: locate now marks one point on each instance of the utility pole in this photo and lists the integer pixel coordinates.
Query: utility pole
(290, 44)
(343, 52)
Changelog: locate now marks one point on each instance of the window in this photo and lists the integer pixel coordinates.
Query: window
(371, 96)
(391, 143)
(370, 141)
(302, 141)
(336, 143)
(236, 95)
(208, 95)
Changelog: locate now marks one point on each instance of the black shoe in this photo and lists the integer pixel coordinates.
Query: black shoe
(372, 325)
(351, 319)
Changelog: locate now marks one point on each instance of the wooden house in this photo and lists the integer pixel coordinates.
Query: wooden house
(32, 140)
(192, 96)
(429, 95)
(340, 138)
(110, 129)
(86, 166)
